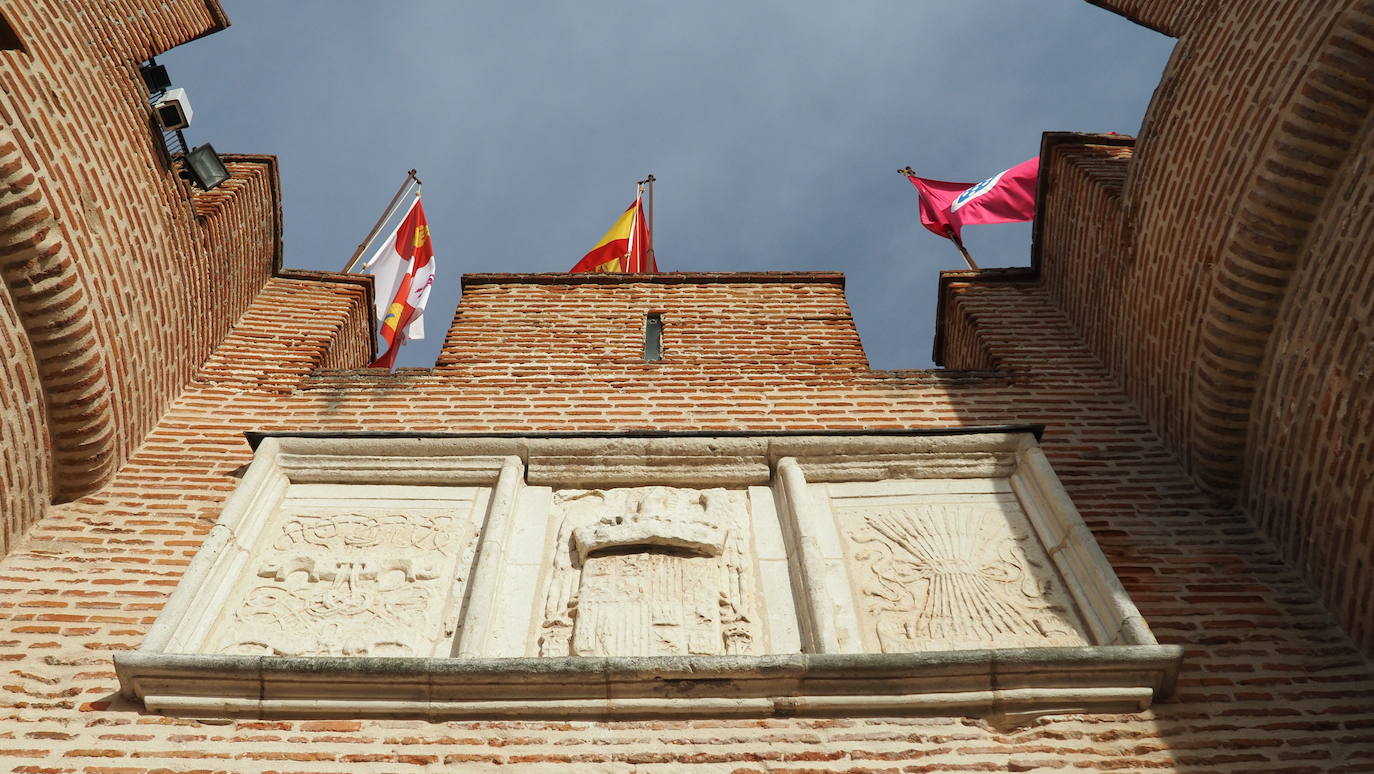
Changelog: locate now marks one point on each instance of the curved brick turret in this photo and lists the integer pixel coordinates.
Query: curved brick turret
(50, 297)
(1217, 268)
(1291, 189)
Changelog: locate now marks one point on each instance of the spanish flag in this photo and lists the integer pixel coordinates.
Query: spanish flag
(625, 248)
(403, 271)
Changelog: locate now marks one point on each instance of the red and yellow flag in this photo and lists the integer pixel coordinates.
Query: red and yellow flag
(403, 272)
(624, 248)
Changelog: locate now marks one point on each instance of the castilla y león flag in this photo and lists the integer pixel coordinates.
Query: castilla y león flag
(1006, 197)
(403, 271)
(624, 248)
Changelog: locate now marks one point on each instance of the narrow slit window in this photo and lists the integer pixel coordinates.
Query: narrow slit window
(653, 337)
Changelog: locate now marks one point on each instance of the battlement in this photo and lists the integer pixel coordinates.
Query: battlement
(731, 325)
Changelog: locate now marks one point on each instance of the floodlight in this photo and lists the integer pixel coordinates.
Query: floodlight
(205, 168)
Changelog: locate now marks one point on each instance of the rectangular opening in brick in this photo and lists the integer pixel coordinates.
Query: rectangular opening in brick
(653, 337)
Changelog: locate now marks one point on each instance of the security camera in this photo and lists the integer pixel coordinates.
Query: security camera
(173, 109)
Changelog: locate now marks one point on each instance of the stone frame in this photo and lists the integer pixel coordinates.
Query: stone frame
(1122, 668)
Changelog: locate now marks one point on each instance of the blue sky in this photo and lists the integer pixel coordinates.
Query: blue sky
(774, 127)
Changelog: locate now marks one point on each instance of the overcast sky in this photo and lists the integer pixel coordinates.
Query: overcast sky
(774, 128)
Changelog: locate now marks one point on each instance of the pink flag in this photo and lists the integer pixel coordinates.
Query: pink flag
(1006, 197)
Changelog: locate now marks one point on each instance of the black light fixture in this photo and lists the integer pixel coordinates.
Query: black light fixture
(155, 77)
(204, 167)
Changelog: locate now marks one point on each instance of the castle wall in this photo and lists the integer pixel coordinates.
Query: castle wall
(143, 333)
(1264, 661)
(738, 326)
(1087, 256)
(1203, 147)
(1309, 466)
(133, 296)
(1191, 268)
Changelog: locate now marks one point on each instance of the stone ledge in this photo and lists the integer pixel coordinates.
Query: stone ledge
(1016, 681)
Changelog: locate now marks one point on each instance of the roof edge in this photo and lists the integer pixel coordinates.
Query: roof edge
(270, 161)
(948, 277)
(1048, 142)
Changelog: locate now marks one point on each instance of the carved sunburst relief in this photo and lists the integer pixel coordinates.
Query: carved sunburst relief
(941, 577)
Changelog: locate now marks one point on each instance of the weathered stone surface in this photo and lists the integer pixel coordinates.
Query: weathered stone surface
(975, 572)
(958, 682)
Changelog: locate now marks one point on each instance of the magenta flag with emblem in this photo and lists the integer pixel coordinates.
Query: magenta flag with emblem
(1006, 197)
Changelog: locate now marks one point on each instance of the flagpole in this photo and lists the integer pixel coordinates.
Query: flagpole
(653, 260)
(959, 243)
(639, 191)
(390, 208)
(626, 265)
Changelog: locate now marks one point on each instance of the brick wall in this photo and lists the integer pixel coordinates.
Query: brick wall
(1171, 17)
(1084, 242)
(1189, 265)
(134, 294)
(1202, 148)
(783, 322)
(1269, 683)
(1309, 466)
(959, 333)
(25, 457)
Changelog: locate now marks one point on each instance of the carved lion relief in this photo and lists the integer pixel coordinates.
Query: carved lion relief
(348, 584)
(650, 571)
(946, 577)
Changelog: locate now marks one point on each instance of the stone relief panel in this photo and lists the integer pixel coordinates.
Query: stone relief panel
(949, 576)
(383, 581)
(651, 571)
